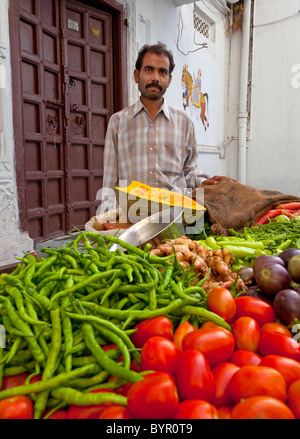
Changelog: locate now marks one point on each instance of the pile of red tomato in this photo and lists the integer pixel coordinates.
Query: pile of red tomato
(252, 372)
(212, 373)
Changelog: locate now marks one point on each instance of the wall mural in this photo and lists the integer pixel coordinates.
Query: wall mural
(193, 95)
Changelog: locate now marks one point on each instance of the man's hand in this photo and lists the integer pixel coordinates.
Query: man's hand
(217, 179)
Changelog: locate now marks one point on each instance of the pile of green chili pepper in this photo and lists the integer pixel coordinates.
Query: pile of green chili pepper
(270, 239)
(59, 311)
(276, 236)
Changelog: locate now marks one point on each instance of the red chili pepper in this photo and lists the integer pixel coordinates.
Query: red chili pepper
(263, 215)
(272, 213)
(293, 205)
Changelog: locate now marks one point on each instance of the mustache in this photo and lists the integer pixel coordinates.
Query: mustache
(156, 84)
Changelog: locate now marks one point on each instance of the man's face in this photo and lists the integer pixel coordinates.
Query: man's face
(154, 78)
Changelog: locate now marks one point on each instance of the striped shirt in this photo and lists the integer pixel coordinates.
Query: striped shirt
(159, 152)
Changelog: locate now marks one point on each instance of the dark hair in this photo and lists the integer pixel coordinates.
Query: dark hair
(159, 49)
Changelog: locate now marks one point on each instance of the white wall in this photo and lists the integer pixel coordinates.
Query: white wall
(12, 241)
(273, 153)
(274, 146)
(174, 27)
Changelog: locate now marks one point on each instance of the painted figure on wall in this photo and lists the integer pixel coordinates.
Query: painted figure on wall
(192, 94)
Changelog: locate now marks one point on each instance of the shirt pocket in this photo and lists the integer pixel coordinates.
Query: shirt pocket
(172, 158)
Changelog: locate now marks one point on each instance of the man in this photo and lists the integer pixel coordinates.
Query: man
(149, 141)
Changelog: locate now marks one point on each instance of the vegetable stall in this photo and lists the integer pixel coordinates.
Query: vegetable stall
(206, 326)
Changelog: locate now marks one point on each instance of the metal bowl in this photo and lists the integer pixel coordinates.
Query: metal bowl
(166, 224)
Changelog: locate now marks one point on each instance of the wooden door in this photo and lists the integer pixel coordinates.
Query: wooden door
(66, 96)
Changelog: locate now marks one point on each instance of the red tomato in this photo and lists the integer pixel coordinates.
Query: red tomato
(221, 302)
(59, 414)
(153, 397)
(108, 347)
(217, 344)
(261, 407)
(14, 380)
(123, 390)
(259, 310)
(134, 366)
(115, 412)
(183, 329)
(195, 409)
(279, 344)
(255, 381)
(289, 368)
(159, 354)
(194, 376)
(161, 326)
(246, 332)
(275, 327)
(33, 380)
(88, 411)
(16, 407)
(222, 374)
(294, 398)
(224, 412)
(243, 358)
(209, 324)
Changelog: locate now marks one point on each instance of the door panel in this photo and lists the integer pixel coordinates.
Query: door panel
(66, 57)
(88, 46)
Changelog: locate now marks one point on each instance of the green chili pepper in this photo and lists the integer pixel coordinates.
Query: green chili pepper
(72, 396)
(114, 286)
(207, 315)
(45, 266)
(68, 339)
(248, 244)
(10, 329)
(16, 370)
(109, 326)
(12, 352)
(52, 383)
(94, 278)
(284, 245)
(1, 366)
(211, 242)
(241, 252)
(25, 329)
(152, 299)
(183, 294)
(167, 275)
(51, 363)
(86, 382)
(15, 293)
(104, 361)
(30, 272)
(117, 340)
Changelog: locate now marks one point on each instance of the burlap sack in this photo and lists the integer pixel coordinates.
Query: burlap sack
(231, 205)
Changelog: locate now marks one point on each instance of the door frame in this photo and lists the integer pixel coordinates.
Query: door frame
(119, 21)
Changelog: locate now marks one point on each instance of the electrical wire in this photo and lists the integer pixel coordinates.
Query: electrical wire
(277, 21)
(179, 36)
(213, 12)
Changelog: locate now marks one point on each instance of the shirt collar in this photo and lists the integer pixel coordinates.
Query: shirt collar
(139, 106)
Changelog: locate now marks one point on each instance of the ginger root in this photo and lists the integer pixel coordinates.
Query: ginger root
(190, 252)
